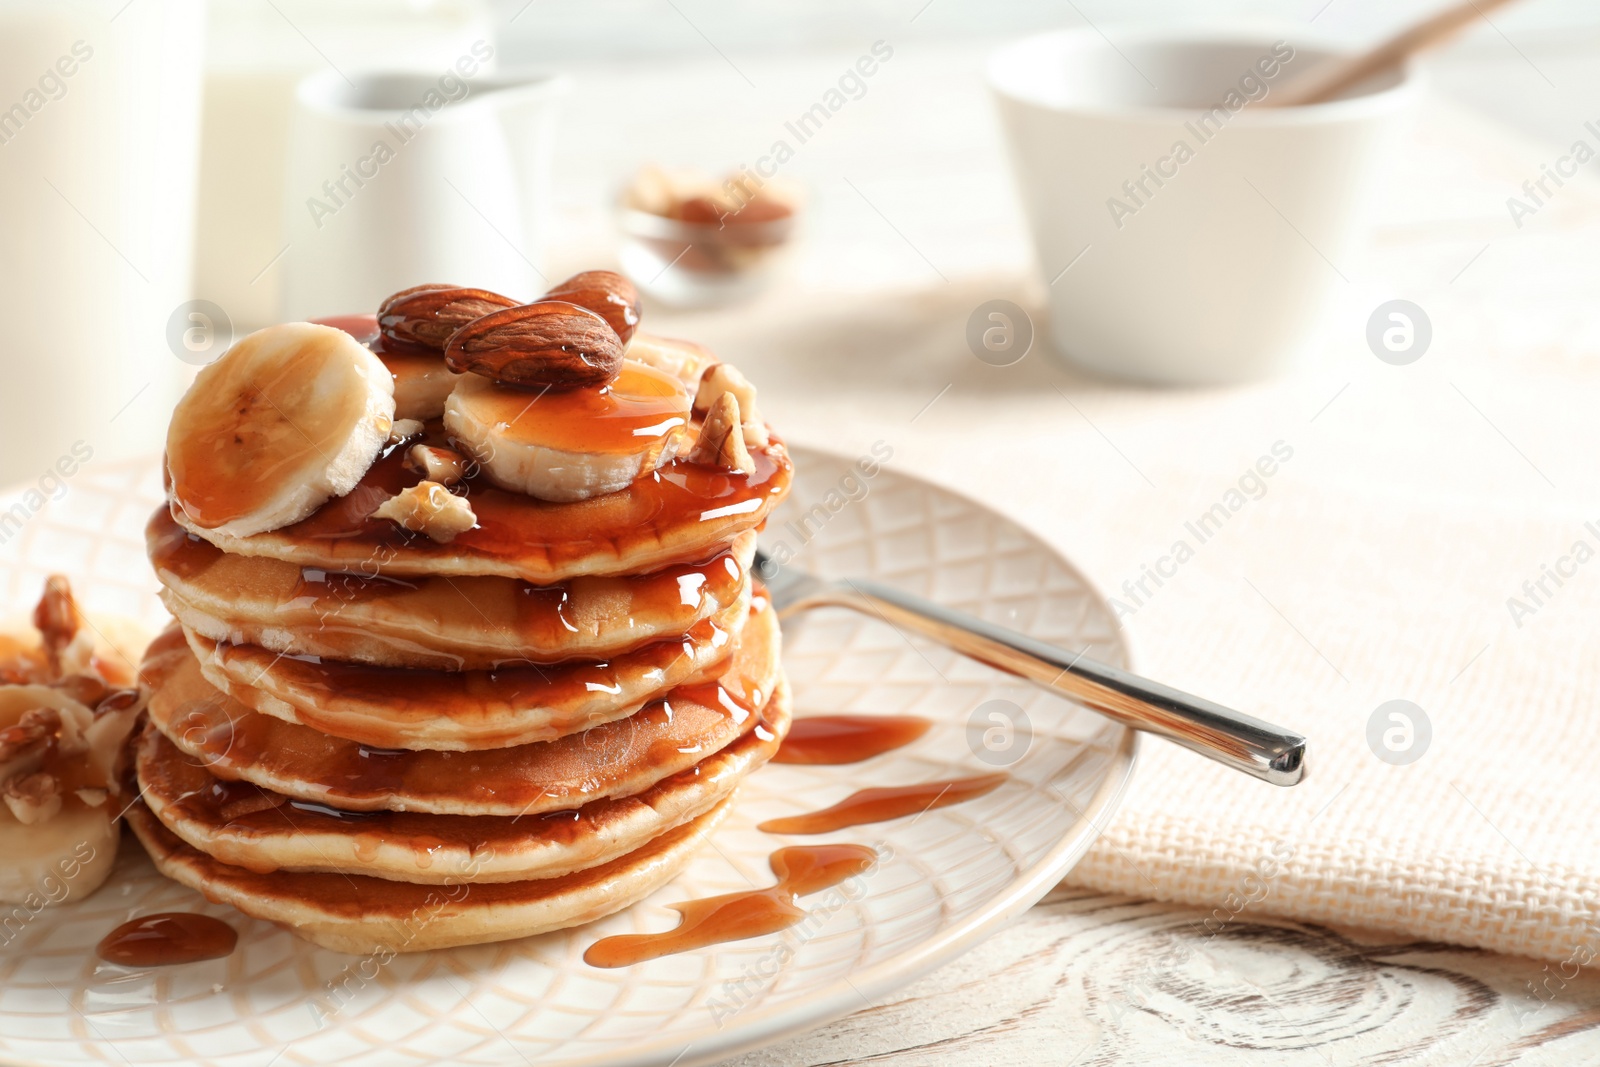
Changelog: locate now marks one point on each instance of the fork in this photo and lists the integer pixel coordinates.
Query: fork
(1232, 738)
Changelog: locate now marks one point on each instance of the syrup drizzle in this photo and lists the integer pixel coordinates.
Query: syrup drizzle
(167, 938)
(837, 739)
(801, 870)
(881, 805)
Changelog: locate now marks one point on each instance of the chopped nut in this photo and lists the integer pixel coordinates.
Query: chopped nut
(721, 444)
(721, 378)
(429, 508)
(403, 429)
(57, 619)
(24, 745)
(87, 689)
(443, 465)
(33, 799)
(91, 798)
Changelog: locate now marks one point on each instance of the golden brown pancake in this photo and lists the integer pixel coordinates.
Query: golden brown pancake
(682, 511)
(357, 914)
(619, 758)
(259, 830)
(439, 622)
(460, 711)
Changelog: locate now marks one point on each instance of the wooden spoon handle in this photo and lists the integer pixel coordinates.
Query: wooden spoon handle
(1327, 80)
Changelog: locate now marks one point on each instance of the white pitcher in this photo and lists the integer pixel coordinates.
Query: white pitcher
(398, 179)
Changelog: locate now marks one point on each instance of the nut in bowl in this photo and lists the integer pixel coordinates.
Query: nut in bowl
(690, 242)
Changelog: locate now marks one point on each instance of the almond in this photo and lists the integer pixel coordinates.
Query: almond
(427, 315)
(551, 344)
(607, 294)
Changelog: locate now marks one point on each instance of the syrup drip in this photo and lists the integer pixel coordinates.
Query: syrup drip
(473, 618)
(679, 502)
(881, 805)
(801, 870)
(640, 409)
(838, 739)
(168, 938)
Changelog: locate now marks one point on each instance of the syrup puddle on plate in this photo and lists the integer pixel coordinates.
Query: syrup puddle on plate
(168, 938)
(800, 869)
(830, 740)
(881, 805)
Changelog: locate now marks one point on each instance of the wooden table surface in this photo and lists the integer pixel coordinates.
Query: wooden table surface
(1089, 980)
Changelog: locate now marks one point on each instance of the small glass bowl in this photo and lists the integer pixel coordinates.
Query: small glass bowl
(687, 264)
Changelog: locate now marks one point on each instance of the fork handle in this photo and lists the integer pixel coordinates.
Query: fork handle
(1237, 740)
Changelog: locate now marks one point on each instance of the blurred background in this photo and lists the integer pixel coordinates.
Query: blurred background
(169, 173)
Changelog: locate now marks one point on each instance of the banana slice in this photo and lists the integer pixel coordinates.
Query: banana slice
(54, 862)
(58, 846)
(575, 444)
(684, 360)
(421, 383)
(288, 418)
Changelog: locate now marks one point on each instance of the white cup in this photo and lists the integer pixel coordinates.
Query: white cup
(400, 179)
(1211, 262)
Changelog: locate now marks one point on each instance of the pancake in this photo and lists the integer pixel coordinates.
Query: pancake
(356, 914)
(259, 830)
(619, 758)
(441, 623)
(682, 511)
(461, 711)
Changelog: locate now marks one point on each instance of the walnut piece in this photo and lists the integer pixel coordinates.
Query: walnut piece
(34, 798)
(403, 429)
(23, 745)
(429, 508)
(723, 378)
(721, 441)
(443, 465)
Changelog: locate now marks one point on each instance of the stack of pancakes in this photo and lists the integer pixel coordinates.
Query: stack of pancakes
(388, 743)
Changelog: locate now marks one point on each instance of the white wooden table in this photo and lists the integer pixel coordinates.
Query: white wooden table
(1091, 981)
(913, 211)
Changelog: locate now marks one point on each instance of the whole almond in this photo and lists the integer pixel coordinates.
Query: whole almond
(427, 315)
(549, 344)
(606, 293)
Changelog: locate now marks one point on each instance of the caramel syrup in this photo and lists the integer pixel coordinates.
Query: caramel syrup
(168, 938)
(473, 616)
(243, 811)
(637, 411)
(838, 739)
(615, 758)
(881, 805)
(680, 505)
(478, 699)
(801, 870)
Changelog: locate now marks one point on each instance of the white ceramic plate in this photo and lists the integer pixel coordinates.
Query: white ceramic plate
(954, 874)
